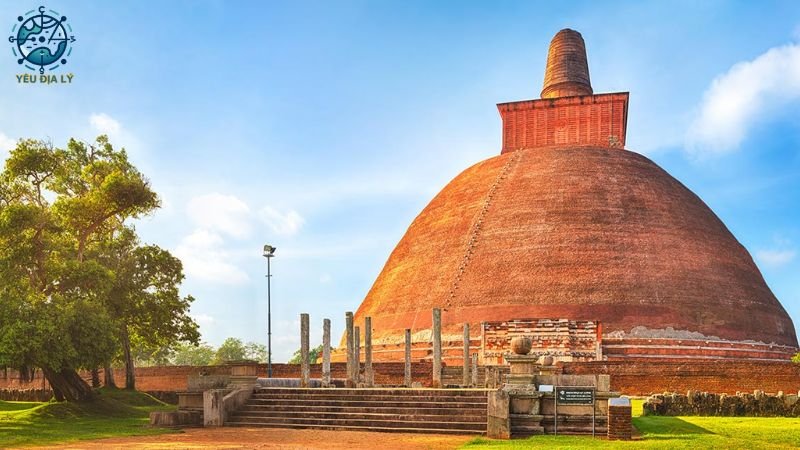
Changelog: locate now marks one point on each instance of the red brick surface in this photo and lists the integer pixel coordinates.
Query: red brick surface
(630, 377)
(619, 422)
(650, 377)
(583, 233)
(599, 120)
(173, 378)
(567, 71)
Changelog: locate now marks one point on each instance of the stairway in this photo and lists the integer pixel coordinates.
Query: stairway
(452, 411)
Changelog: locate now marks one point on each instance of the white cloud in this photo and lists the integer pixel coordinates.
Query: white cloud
(203, 319)
(6, 145)
(222, 213)
(204, 258)
(104, 124)
(743, 96)
(325, 278)
(281, 224)
(775, 258)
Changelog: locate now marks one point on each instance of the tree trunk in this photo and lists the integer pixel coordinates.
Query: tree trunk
(68, 385)
(108, 376)
(95, 377)
(130, 376)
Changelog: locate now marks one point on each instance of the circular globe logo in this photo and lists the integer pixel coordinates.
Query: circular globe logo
(41, 38)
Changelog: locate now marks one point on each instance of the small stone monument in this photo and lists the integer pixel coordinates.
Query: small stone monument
(523, 365)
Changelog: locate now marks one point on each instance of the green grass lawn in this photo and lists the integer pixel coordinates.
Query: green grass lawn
(114, 413)
(675, 433)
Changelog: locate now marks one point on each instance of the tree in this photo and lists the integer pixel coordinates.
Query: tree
(60, 211)
(145, 301)
(201, 354)
(233, 349)
(256, 352)
(313, 354)
(796, 358)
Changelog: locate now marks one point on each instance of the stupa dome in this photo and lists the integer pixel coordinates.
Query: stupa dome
(584, 233)
(567, 224)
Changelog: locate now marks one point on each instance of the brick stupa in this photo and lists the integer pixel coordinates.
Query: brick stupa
(566, 223)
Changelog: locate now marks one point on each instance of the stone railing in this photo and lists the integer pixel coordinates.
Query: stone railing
(693, 403)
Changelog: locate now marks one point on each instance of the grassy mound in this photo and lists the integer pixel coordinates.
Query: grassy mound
(113, 412)
(16, 406)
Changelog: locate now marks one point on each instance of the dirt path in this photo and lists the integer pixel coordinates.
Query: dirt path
(276, 438)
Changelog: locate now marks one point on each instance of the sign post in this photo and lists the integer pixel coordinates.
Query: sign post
(574, 395)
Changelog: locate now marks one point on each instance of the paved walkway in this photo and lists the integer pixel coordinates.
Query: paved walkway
(276, 438)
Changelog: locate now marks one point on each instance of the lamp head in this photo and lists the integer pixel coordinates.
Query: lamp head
(269, 251)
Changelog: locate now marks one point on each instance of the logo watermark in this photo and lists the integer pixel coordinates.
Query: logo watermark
(42, 41)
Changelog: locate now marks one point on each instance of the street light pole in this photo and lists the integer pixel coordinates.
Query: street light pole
(269, 252)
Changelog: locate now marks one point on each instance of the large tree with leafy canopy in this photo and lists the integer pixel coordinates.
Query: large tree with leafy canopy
(63, 291)
(145, 302)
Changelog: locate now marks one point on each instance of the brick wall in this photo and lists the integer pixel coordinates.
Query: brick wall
(629, 377)
(173, 378)
(649, 377)
(565, 340)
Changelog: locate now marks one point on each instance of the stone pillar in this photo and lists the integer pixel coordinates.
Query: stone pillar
(369, 376)
(498, 418)
(437, 347)
(357, 358)
(407, 373)
(305, 369)
(326, 353)
(350, 349)
(465, 364)
(619, 419)
(475, 370)
(213, 408)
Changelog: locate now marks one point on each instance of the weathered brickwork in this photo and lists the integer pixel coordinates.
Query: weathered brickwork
(567, 71)
(567, 223)
(631, 377)
(619, 422)
(685, 349)
(642, 377)
(565, 340)
(598, 120)
(173, 378)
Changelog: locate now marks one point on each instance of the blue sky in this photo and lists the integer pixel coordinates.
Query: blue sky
(324, 128)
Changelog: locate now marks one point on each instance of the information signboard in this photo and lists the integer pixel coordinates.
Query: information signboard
(575, 396)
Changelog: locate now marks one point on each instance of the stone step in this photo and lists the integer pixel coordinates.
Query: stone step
(364, 404)
(449, 410)
(339, 422)
(367, 391)
(548, 419)
(373, 398)
(334, 393)
(525, 431)
(449, 393)
(382, 409)
(375, 416)
(576, 429)
(354, 428)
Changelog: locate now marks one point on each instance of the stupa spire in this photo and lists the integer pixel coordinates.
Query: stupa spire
(567, 72)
